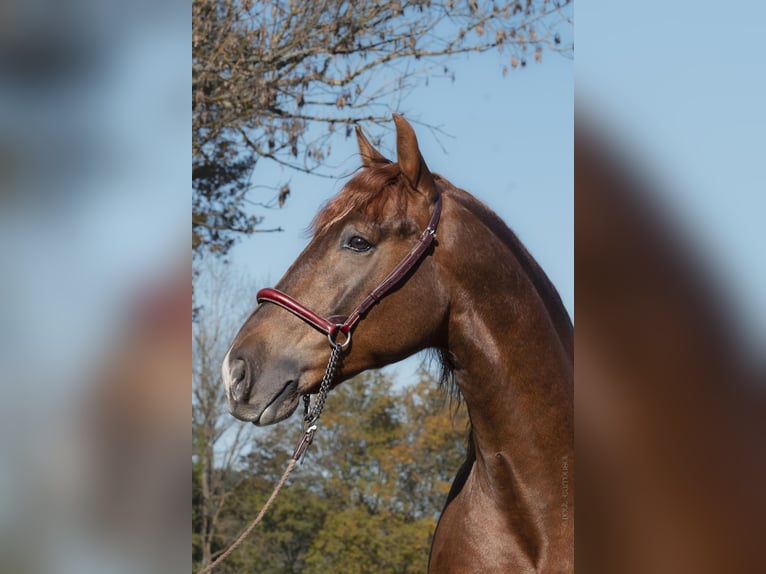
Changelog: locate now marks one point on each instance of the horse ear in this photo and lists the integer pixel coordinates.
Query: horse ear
(411, 163)
(370, 156)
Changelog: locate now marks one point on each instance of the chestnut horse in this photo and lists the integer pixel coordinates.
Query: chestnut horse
(476, 296)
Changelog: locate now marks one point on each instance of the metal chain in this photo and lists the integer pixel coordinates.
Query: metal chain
(312, 415)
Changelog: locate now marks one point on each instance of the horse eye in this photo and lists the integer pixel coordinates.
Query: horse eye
(359, 244)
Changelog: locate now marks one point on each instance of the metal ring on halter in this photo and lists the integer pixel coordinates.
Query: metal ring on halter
(335, 344)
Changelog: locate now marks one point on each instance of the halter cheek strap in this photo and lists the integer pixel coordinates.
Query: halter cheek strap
(332, 325)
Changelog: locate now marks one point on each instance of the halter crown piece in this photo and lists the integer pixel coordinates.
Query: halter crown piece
(332, 326)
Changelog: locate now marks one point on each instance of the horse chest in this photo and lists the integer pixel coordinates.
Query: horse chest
(473, 536)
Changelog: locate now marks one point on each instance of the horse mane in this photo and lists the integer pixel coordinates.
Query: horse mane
(542, 284)
(546, 290)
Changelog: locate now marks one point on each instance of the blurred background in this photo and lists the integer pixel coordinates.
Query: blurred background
(671, 314)
(664, 179)
(94, 277)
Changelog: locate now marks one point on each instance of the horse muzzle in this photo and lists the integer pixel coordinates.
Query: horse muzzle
(262, 398)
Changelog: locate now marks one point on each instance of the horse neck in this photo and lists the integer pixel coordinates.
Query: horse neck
(511, 350)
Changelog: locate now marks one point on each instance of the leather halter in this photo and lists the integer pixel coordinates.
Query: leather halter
(332, 325)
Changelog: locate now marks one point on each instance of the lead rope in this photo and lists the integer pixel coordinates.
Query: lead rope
(310, 418)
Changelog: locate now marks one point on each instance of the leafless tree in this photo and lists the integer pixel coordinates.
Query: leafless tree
(219, 440)
(278, 79)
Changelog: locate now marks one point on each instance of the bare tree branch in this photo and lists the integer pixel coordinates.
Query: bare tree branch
(266, 74)
(220, 441)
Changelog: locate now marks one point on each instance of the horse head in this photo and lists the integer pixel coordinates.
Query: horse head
(363, 240)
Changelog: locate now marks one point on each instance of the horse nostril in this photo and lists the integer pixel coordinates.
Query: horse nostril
(238, 372)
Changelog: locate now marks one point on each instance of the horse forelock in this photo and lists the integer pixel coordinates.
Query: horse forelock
(370, 192)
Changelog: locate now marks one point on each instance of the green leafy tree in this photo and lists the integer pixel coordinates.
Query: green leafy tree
(356, 541)
(369, 493)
